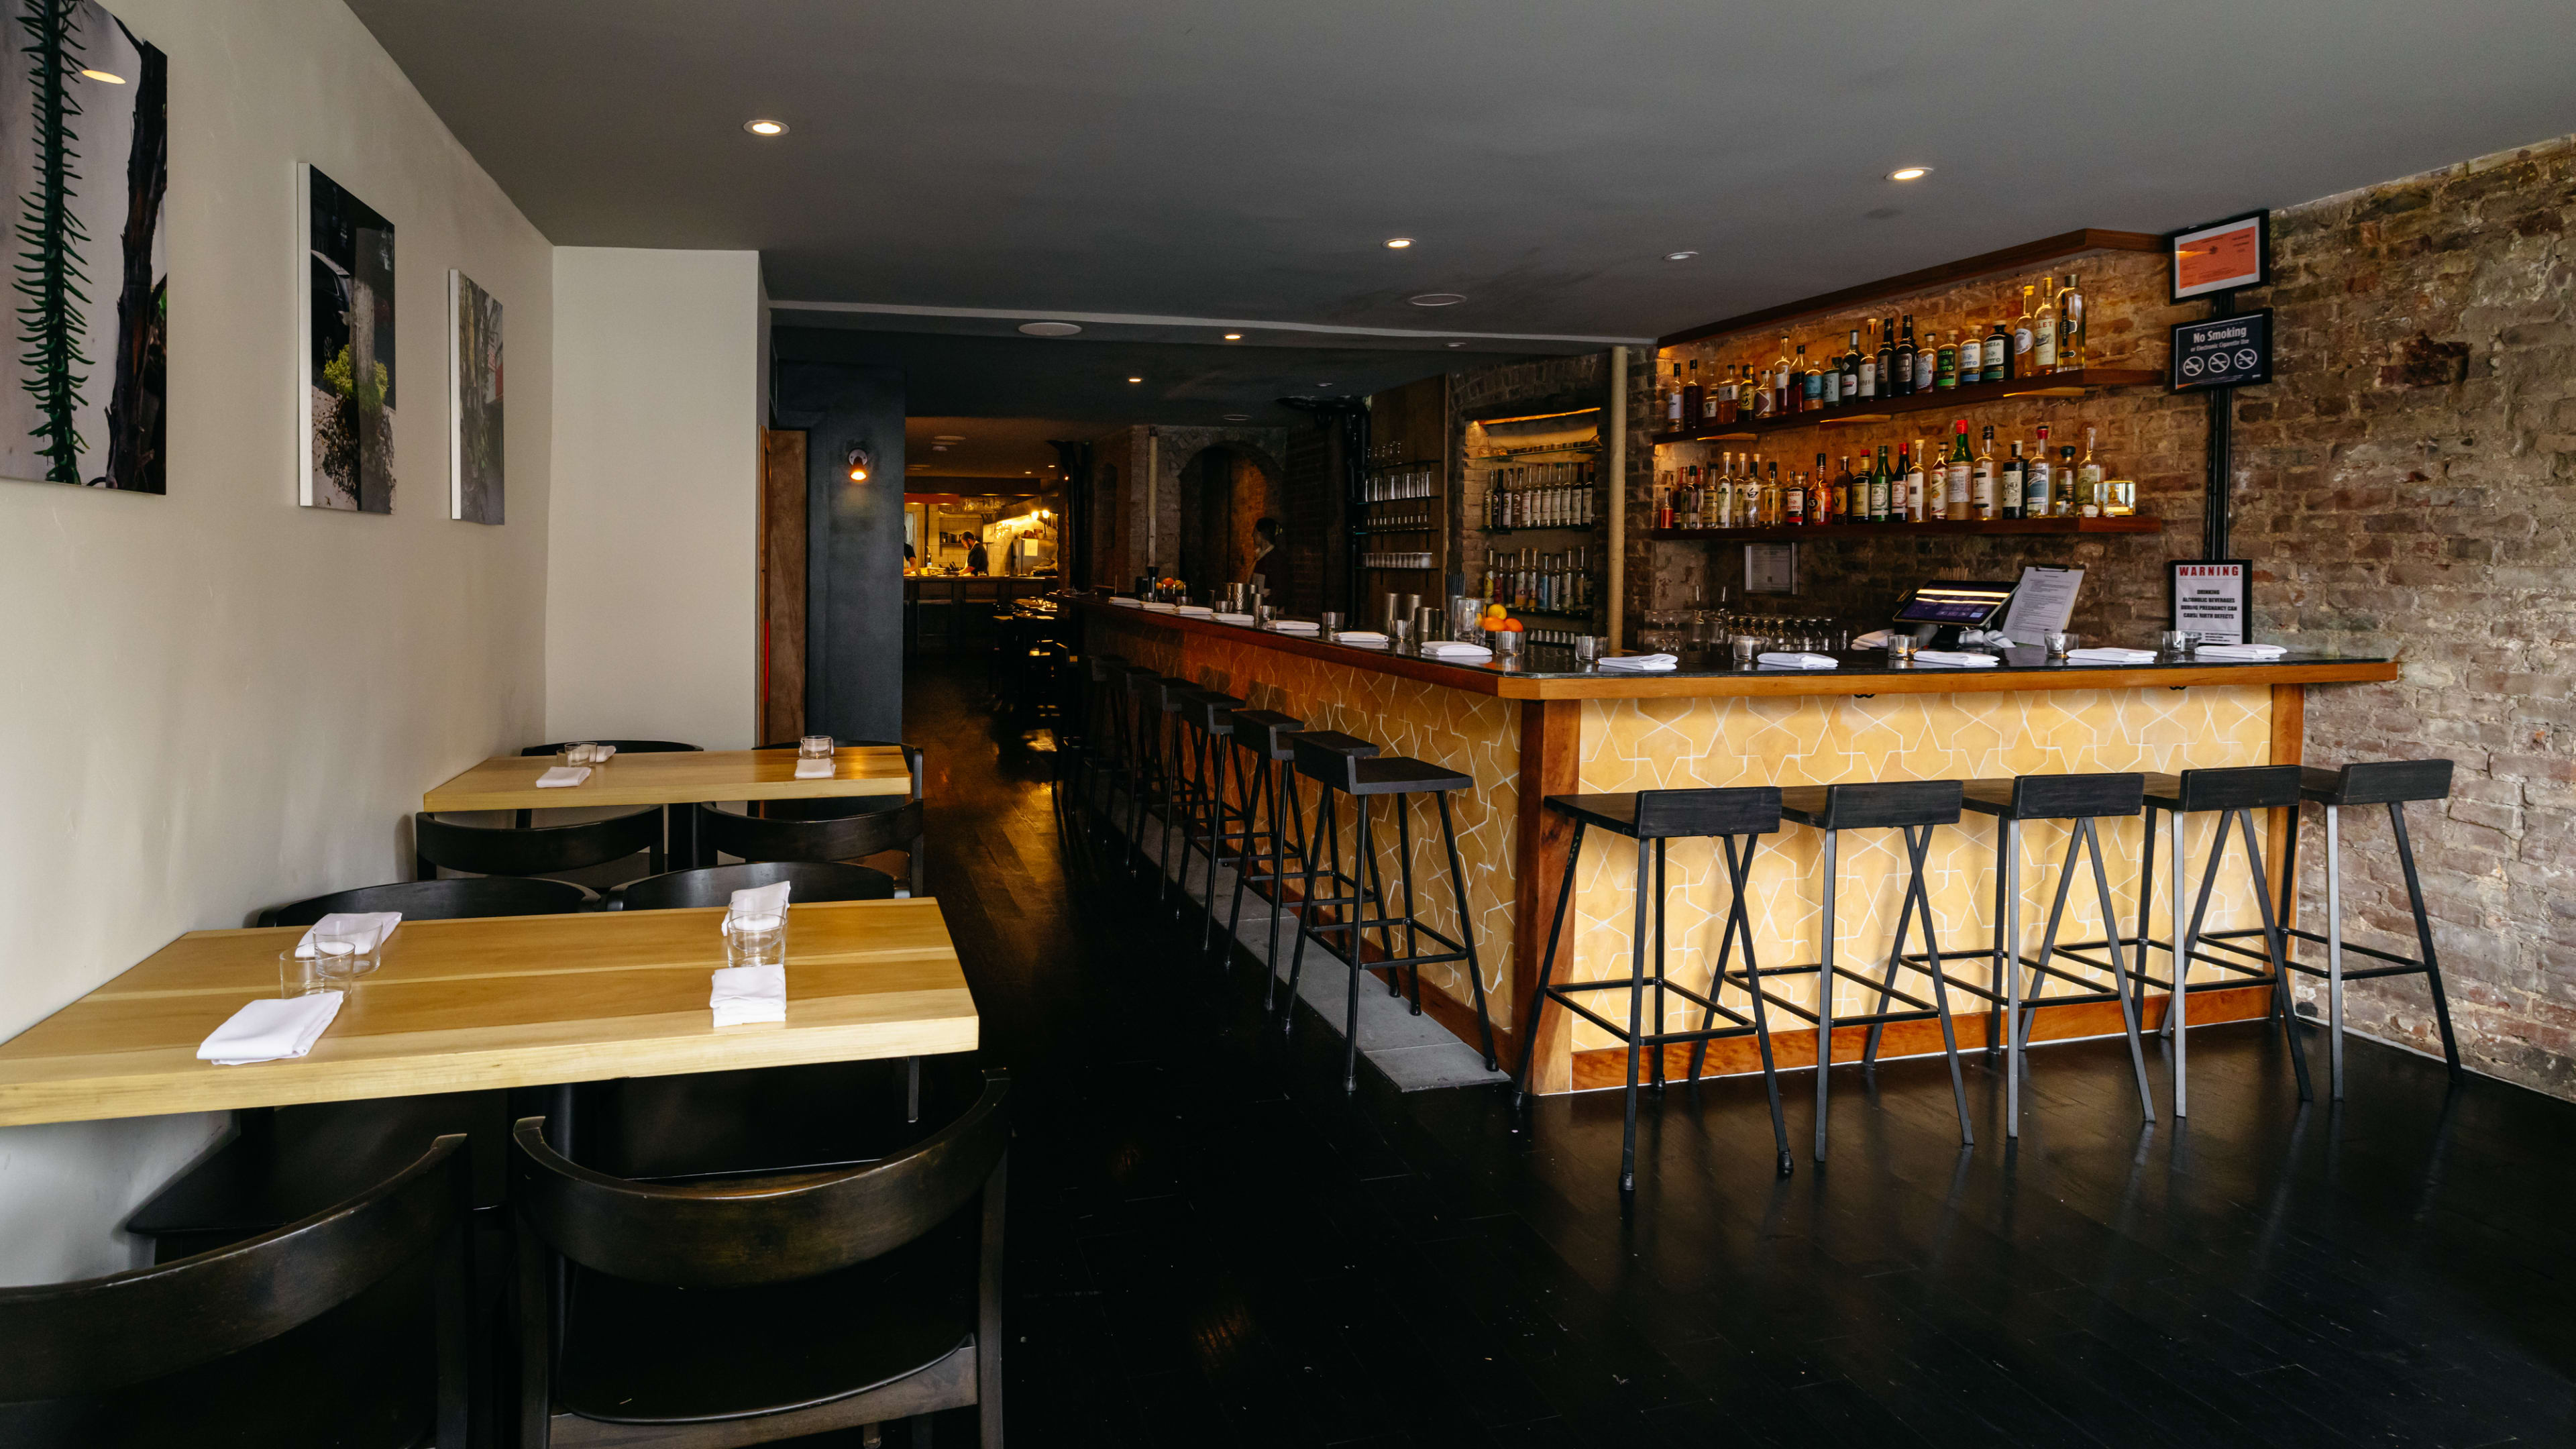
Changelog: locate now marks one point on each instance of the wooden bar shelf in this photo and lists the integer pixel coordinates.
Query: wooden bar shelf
(2130, 523)
(2074, 383)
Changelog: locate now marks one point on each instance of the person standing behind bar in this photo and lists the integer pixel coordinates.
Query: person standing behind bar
(975, 560)
(1265, 538)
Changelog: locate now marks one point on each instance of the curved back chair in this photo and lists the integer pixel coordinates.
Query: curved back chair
(714, 885)
(442, 900)
(538, 850)
(851, 837)
(213, 1340)
(739, 1311)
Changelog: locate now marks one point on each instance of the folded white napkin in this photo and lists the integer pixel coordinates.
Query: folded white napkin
(760, 904)
(1874, 639)
(271, 1028)
(2240, 651)
(1947, 656)
(1456, 649)
(559, 776)
(1124, 600)
(1646, 663)
(813, 769)
(1800, 661)
(1164, 608)
(1364, 638)
(747, 994)
(1233, 618)
(1293, 626)
(369, 927)
(1195, 611)
(2110, 656)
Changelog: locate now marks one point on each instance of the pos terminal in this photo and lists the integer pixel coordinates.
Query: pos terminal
(1937, 613)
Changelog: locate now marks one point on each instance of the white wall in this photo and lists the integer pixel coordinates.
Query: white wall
(215, 700)
(651, 598)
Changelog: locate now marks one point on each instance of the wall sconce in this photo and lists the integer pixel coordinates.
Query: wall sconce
(861, 462)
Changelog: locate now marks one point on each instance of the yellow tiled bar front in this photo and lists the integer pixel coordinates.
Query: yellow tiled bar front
(1646, 744)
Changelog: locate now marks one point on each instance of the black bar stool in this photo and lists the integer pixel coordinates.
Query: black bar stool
(1150, 776)
(1331, 764)
(1267, 733)
(1095, 739)
(2011, 998)
(2392, 783)
(1917, 808)
(1737, 819)
(1206, 728)
(1264, 733)
(2235, 792)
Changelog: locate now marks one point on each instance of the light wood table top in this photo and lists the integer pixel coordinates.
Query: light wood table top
(680, 777)
(498, 1002)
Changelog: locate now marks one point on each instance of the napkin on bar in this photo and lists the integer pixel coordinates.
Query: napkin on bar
(1234, 618)
(369, 927)
(1128, 602)
(1874, 639)
(1194, 611)
(1801, 661)
(1644, 663)
(743, 995)
(1457, 649)
(560, 776)
(1948, 656)
(2240, 651)
(1293, 626)
(271, 1028)
(1164, 608)
(2110, 656)
(1363, 638)
(814, 769)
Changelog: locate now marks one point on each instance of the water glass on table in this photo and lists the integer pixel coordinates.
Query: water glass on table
(583, 754)
(1587, 650)
(814, 747)
(755, 940)
(337, 957)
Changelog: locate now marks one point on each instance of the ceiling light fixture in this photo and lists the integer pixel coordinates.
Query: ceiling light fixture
(1679, 256)
(1234, 337)
(1909, 173)
(1050, 329)
(1438, 299)
(108, 76)
(1323, 384)
(1457, 344)
(1238, 417)
(765, 128)
(1398, 243)
(1135, 379)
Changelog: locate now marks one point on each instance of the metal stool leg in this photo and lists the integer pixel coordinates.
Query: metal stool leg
(1467, 927)
(1546, 968)
(2274, 950)
(1918, 847)
(2007, 943)
(2334, 953)
(1825, 996)
(2021, 1000)
(2178, 1005)
(1223, 749)
(1256, 789)
(2146, 900)
(2119, 970)
(1661, 895)
(2424, 937)
(1326, 819)
(1404, 870)
(1636, 1008)
(1351, 1023)
(1739, 873)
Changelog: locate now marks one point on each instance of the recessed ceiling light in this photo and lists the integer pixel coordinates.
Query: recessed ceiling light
(1438, 299)
(102, 75)
(1679, 256)
(1238, 417)
(1050, 329)
(1135, 379)
(939, 447)
(765, 128)
(948, 438)
(1323, 384)
(1457, 344)
(1398, 243)
(1234, 337)
(1909, 173)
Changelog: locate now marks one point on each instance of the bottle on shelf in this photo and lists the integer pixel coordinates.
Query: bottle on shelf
(1945, 366)
(1793, 501)
(1772, 502)
(1927, 359)
(1903, 357)
(1998, 355)
(1962, 464)
(1690, 498)
(2092, 499)
(1981, 481)
(2072, 338)
(1916, 504)
(1811, 383)
(2008, 487)
(2066, 502)
(1872, 360)
(1673, 402)
(1721, 401)
(1694, 399)
(2043, 329)
(1881, 484)
(1748, 493)
(1851, 369)
(2035, 493)
(1784, 369)
(2024, 334)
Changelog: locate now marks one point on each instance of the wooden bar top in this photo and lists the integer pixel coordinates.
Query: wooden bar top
(495, 1002)
(1860, 672)
(678, 777)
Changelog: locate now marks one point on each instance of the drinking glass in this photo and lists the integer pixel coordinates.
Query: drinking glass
(2174, 641)
(1900, 647)
(1747, 648)
(584, 753)
(301, 975)
(1587, 650)
(1329, 626)
(336, 956)
(1399, 637)
(814, 747)
(1507, 648)
(2058, 644)
(755, 940)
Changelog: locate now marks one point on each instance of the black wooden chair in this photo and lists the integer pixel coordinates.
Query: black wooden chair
(541, 850)
(349, 1327)
(747, 1311)
(714, 885)
(852, 837)
(442, 900)
(527, 818)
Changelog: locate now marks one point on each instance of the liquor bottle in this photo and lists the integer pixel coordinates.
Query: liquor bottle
(1905, 371)
(1879, 484)
(1916, 504)
(1772, 501)
(1887, 360)
(2034, 484)
(2043, 329)
(1721, 493)
(2072, 337)
(1721, 400)
(2089, 493)
(1694, 399)
(2064, 503)
(1851, 369)
(1793, 502)
(2008, 490)
(1926, 365)
(1872, 360)
(1664, 501)
(1945, 367)
(1962, 463)
(1748, 494)
(1811, 383)
(1690, 508)
(1784, 374)
(2023, 336)
(1673, 402)
(1998, 355)
(1841, 510)
(1820, 494)
(1981, 481)
(1833, 382)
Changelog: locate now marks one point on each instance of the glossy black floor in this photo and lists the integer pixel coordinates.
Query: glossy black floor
(1210, 1245)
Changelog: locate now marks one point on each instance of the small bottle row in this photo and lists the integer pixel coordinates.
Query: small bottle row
(1397, 560)
(1404, 483)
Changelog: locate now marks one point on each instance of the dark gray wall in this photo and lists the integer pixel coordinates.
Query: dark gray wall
(853, 547)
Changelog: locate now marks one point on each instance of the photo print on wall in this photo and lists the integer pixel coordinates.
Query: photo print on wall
(473, 400)
(84, 135)
(346, 349)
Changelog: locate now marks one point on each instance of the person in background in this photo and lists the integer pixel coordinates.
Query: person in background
(976, 562)
(1265, 535)
(908, 559)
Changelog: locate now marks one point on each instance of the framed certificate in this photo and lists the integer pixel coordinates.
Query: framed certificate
(2221, 256)
(2212, 600)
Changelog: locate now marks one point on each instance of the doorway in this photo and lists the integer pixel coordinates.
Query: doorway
(1226, 490)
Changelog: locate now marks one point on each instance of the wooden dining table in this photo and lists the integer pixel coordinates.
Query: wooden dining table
(516, 1001)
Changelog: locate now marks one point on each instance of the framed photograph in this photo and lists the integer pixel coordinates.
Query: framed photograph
(2221, 256)
(1770, 568)
(345, 348)
(2211, 599)
(473, 401)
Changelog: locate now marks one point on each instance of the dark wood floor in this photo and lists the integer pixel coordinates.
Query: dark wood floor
(1211, 1245)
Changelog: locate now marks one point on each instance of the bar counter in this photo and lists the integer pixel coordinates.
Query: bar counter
(1530, 732)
